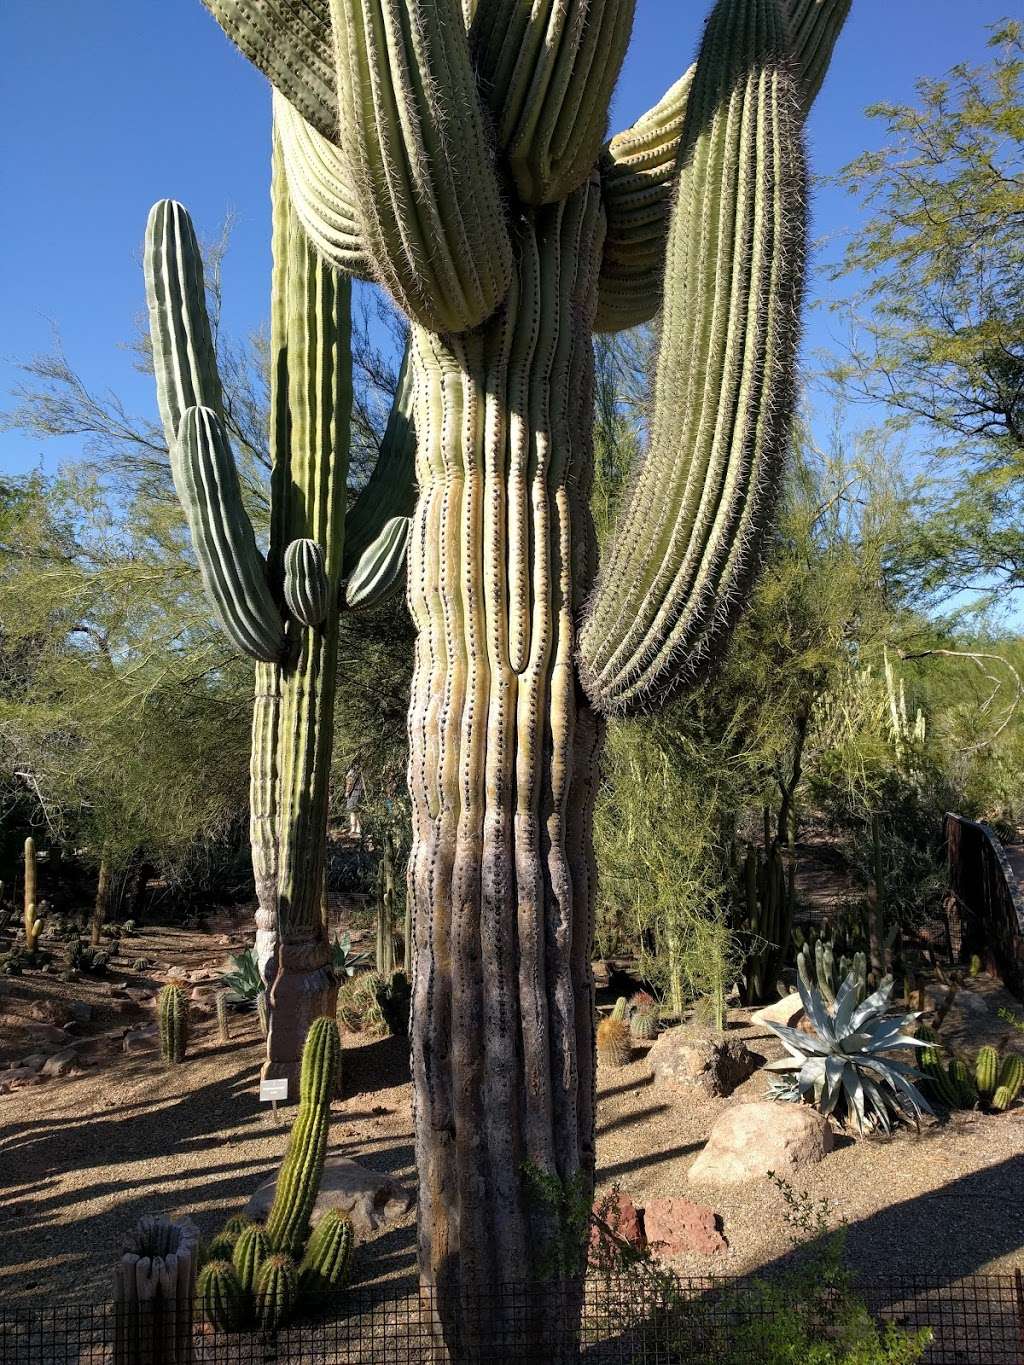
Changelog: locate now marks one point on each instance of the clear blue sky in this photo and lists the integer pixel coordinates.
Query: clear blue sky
(111, 106)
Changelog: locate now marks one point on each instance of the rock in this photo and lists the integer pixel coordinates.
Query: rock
(689, 1058)
(49, 1033)
(16, 1077)
(369, 1199)
(81, 1011)
(60, 1063)
(677, 1226)
(785, 1011)
(202, 974)
(749, 1140)
(141, 996)
(199, 993)
(49, 1011)
(621, 1215)
(118, 990)
(33, 1063)
(602, 975)
(101, 1045)
(142, 1039)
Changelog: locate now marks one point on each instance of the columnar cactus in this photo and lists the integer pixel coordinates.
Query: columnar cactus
(172, 1013)
(299, 1177)
(282, 609)
(385, 946)
(1011, 1080)
(452, 149)
(33, 919)
(328, 1255)
(986, 1072)
(251, 1250)
(277, 1287)
(766, 919)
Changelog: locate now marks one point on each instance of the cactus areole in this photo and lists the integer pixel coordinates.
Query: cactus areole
(452, 151)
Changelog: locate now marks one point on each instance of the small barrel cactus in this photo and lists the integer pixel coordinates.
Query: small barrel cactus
(613, 1042)
(220, 1295)
(172, 1008)
(963, 1081)
(643, 1019)
(251, 1250)
(986, 1072)
(325, 1265)
(237, 1224)
(620, 1009)
(1011, 1079)
(299, 1177)
(220, 1247)
(277, 1288)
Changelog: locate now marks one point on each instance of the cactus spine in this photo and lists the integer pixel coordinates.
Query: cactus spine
(299, 1177)
(328, 1255)
(276, 1291)
(220, 1294)
(517, 651)
(33, 919)
(172, 1010)
(250, 1251)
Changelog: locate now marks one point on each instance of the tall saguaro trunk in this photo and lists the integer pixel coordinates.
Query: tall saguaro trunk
(311, 397)
(502, 764)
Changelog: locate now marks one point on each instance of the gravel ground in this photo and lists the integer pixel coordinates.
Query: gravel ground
(83, 1157)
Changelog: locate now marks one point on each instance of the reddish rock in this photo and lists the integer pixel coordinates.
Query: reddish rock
(677, 1226)
(16, 1077)
(622, 1217)
(49, 1011)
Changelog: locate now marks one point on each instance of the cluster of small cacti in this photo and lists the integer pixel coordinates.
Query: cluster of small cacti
(614, 1041)
(33, 912)
(84, 957)
(993, 1082)
(643, 1017)
(763, 918)
(823, 965)
(172, 1013)
(255, 1274)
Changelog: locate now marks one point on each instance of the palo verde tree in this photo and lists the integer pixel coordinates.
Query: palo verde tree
(454, 152)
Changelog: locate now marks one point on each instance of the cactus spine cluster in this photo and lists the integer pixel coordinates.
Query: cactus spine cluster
(463, 171)
(33, 918)
(299, 1177)
(277, 1288)
(172, 1013)
(614, 1047)
(220, 1294)
(328, 1255)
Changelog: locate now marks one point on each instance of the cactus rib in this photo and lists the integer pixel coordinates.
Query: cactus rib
(172, 1011)
(220, 1294)
(328, 1255)
(306, 589)
(380, 572)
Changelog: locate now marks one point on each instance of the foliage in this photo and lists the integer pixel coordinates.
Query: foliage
(565, 1209)
(244, 983)
(344, 961)
(842, 1068)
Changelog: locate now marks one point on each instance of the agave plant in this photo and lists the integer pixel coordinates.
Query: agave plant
(843, 1068)
(343, 960)
(244, 983)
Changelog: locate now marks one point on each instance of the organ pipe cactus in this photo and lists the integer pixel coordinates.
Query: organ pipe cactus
(33, 919)
(299, 1177)
(172, 1014)
(451, 149)
(281, 609)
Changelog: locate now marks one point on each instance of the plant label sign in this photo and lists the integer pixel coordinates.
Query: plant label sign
(275, 1091)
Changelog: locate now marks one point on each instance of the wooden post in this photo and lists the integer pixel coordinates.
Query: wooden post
(154, 1286)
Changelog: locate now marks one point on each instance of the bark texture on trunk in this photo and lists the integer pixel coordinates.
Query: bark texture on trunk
(503, 769)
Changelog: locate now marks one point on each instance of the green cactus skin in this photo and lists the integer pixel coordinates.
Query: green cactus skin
(986, 1072)
(938, 1078)
(385, 946)
(517, 653)
(684, 554)
(766, 919)
(643, 1025)
(172, 1011)
(431, 211)
(299, 1177)
(639, 169)
(221, 1247)
(621, 1008)
(237, 1224)
(277, 1288)
(963, 1082)
(306, 589)
(1011, 1080)
(33, 920)
(380, 572)
(328, 1257)
(234, 572)
(251, 1250)
(220, 1295)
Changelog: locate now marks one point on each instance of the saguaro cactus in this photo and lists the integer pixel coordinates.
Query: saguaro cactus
(281, 609)
(507, 245)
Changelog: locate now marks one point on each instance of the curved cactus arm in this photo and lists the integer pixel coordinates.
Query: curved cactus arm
(184, 360)
(415, 135)
(306, 589)
(639, 171)
(381, 569)
(234, 572)
(547, 72)
(290, 42)
(321, 190)
(686, 550)
(390, 490)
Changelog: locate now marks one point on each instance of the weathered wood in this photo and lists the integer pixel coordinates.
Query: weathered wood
(154, 1286)
(986, 906)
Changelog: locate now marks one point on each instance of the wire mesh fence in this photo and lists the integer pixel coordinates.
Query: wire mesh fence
(617, 1321)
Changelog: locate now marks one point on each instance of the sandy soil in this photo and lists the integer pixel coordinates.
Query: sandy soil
(83, 1157)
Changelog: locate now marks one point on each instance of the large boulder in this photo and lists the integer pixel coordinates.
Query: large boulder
(749, 1140)
(700, 1059)
(370, 1200)
(785, 1011)
(677, 1226)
